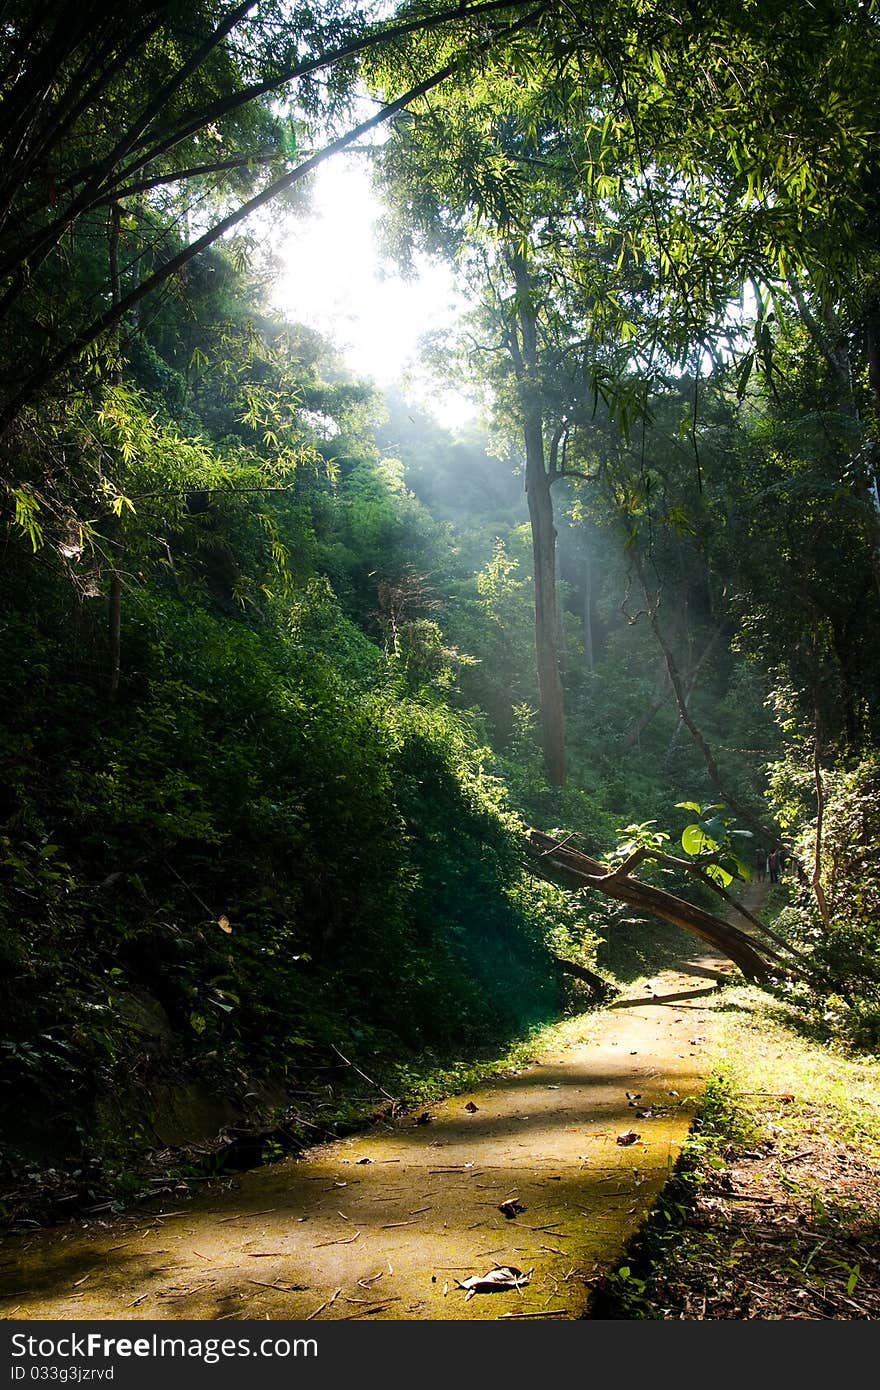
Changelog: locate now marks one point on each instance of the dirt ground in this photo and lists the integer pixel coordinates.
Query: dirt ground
(535, 1172)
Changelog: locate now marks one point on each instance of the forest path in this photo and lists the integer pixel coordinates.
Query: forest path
(383, 1223)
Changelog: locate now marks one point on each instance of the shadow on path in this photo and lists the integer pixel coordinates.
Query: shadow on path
(383, 1223)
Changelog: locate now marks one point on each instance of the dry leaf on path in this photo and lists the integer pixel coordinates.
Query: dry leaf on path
(629, 1136)
(510, 1208)
(496, 1281)
(471, 1108)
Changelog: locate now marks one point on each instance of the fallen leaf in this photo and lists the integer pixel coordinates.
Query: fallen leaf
(633, 1096)
(629, 1136)
(644, 1114)
(363, 1160)
(471, 1108)
(423, 1119)
(223, 923)
(786, 1097)
(496, 1281)
(700, 1038)
(510, 1208)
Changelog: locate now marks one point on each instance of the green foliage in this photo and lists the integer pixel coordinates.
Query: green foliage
(844, 951)
(709, 841)
(267, 669)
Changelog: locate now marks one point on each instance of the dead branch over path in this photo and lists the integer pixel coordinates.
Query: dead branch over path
(557, 861)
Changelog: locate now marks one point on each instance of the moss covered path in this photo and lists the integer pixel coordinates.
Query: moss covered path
(536, 1171)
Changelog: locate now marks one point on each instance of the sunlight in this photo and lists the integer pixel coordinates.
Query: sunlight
(333, 279)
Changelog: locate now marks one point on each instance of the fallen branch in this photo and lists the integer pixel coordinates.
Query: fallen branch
(597, 983)
(548, 859)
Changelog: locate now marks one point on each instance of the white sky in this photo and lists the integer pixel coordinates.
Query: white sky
(332, 279)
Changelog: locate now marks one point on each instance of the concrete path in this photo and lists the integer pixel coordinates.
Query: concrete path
(389, 1222)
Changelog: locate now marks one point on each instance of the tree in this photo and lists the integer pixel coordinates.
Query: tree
(636, 169)
(189, 106)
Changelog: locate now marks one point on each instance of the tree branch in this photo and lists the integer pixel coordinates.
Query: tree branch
(99, 326)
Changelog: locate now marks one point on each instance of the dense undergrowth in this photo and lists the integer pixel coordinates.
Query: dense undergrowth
(251, 856)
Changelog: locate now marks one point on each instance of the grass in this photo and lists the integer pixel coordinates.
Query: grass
(773, 1210)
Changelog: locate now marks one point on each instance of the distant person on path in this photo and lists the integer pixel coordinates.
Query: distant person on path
(761, 865)
(773, 865)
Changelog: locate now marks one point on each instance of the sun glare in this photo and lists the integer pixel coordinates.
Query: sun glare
(333, 280)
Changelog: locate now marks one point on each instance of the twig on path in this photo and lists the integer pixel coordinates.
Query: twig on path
(365, 1312)
(242, 1215)
(331, 1299)
(343, 1240)
(279, 1288)
(544, 1313)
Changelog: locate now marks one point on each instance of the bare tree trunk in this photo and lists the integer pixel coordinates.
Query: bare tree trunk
(523, 343)
(588, 615)
(546, 632)
(692, 681)
(816, 881)
(114, 616)
(837, 358)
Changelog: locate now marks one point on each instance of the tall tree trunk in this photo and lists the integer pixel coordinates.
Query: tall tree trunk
(870, 481)
(837, 359)
(115, 544)
(546, 629)
(523, 342)
(589, 652)
(691, 686)
(816, 880)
